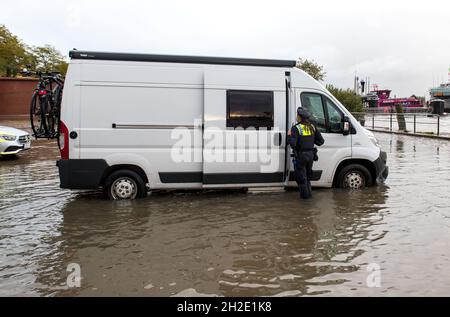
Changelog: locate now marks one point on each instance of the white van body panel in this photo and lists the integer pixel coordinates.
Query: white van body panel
(141, 94)
(70, 105)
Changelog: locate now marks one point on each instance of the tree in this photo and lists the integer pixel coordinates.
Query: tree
(48, 58)
(14, 53)
(312, 68)
(350, 100)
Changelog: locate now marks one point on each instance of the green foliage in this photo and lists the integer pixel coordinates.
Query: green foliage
(47, 58)
(312, 68)
(15, 55)
(348, 98)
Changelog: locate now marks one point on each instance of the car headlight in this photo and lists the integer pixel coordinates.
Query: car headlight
(8, 137)
(374, 141)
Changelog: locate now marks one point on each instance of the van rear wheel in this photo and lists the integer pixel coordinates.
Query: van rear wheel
(354, 176)
(124, 185)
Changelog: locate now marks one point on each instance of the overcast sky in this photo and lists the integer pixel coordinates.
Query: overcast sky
(401, 45)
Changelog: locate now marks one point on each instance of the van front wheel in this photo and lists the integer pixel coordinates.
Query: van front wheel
(354, 177)
(124, 185)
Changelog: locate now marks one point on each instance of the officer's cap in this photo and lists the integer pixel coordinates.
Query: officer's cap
(302, 112)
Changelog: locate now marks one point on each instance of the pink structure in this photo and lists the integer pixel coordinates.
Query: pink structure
(384, 100)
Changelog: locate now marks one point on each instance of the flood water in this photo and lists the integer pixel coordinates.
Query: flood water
(230, 243)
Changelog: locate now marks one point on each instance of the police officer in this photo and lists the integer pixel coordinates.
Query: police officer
(302, 138)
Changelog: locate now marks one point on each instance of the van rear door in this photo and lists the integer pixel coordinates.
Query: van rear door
(244, 131)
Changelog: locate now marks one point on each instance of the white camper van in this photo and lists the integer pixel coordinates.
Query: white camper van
(131, 123)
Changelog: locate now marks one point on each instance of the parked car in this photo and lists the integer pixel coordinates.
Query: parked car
(123, 117)
(13, 141)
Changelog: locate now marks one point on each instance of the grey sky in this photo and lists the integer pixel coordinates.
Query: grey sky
(401, 45)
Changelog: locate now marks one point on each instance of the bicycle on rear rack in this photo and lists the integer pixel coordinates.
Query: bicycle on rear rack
(45, 105)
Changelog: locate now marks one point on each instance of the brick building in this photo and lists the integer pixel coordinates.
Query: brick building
(15, 96)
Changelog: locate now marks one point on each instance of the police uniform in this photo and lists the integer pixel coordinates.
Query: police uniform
(303, 137)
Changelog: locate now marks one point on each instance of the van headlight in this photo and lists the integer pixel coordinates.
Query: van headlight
(7, 137)
(374, 141)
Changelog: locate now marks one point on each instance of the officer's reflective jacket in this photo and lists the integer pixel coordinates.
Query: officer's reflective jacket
(304, 136)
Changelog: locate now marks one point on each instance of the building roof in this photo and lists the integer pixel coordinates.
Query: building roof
(443, 91)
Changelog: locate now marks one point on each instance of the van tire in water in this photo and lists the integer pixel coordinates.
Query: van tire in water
(354, 176)
(124, 185)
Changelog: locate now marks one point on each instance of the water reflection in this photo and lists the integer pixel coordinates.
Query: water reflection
(225, 244)
(400, 147)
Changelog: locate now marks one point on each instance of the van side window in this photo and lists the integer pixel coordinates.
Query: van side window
(250, 109)
(335, 117)
(314, 104)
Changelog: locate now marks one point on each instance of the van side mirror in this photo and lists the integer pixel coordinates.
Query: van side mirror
(347, 126)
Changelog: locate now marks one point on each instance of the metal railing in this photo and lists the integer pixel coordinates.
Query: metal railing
(379, 110)
(414, 123)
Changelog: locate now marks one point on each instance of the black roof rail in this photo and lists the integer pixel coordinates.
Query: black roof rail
(109, 56)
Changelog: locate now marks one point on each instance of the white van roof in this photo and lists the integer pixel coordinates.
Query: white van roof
(89, 55)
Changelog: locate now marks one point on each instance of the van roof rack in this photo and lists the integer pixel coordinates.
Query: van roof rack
(109, 56)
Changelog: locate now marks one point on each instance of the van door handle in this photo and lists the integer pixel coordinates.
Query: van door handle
(279, 138)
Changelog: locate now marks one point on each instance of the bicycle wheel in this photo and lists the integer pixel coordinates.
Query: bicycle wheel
(46, 118)
(51, 123)
(57, 107)
(52, 111)
(36, 117)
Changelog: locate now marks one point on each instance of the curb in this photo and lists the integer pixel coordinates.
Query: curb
(412, 134)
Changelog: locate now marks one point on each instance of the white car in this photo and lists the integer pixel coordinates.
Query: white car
(13, 141)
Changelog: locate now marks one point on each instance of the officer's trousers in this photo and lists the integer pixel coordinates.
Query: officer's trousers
(303, 173)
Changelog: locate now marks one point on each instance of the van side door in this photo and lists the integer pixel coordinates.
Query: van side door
(244, 140)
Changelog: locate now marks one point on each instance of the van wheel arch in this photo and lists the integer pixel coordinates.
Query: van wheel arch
(138, 170)
(365, 163)
(124, 184)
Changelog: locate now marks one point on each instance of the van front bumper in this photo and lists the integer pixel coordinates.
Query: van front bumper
(381, 169)
(81, 174)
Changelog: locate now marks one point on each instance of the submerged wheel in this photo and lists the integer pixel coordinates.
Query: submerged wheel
(124, 185)
(47, 122)
(354, 177)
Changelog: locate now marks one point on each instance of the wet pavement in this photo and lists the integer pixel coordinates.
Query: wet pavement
(230, 243)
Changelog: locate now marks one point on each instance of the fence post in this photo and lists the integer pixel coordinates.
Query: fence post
(414, 123)
(390, 115)
(373, 121)
(401, 121)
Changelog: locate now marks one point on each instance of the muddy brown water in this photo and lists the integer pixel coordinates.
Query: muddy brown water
(230, 243)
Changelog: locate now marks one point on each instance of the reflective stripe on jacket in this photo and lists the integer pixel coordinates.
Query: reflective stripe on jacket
(304, 130)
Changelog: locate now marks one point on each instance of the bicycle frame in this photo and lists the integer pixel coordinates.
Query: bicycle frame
(49, 100)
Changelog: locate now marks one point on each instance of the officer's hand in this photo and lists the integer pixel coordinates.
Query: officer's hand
(290, 132)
